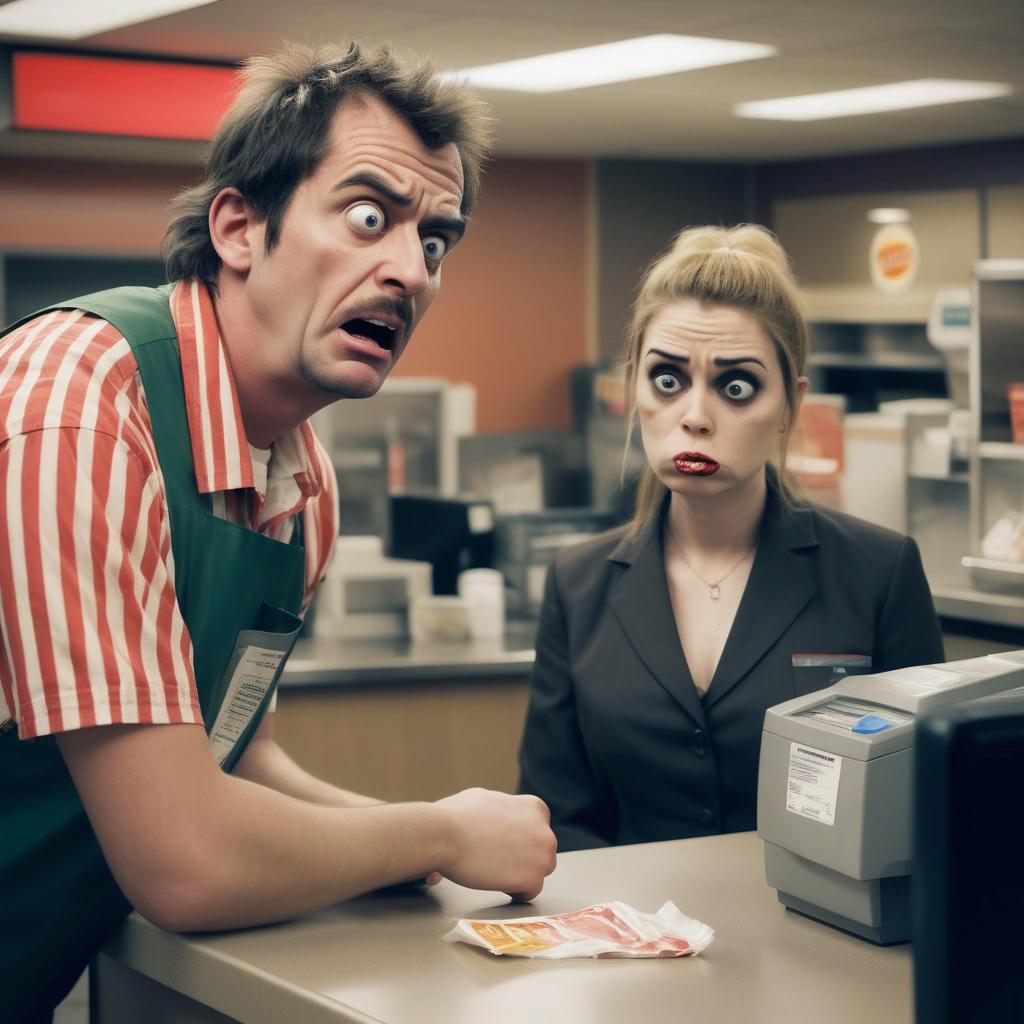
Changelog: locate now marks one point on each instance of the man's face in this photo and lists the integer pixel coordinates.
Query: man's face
(358, 259)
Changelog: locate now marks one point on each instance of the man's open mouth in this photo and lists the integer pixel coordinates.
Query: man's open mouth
(371, 330)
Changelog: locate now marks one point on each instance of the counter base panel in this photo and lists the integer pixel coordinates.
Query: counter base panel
(407, 742)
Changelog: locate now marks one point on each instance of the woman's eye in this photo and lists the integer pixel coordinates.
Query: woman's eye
(365, 218)
(434, 248)
(665, 382)
(739, 389)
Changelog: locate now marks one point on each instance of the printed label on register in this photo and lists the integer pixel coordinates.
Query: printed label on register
(252, 677)
(813, 783)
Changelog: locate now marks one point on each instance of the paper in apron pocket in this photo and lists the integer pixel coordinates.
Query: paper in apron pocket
(249, 682)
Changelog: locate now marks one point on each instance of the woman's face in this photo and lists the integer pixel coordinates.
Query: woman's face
(710, 397)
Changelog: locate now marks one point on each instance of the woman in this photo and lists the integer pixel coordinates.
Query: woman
(661, 643)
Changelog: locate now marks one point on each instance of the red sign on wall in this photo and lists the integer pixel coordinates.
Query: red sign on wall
(66, 92)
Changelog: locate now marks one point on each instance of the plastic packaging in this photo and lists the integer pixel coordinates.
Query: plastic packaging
(601, 930)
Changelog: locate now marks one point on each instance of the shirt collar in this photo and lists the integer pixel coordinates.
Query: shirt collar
(220, 450)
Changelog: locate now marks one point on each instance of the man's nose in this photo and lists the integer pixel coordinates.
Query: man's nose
(403, 266)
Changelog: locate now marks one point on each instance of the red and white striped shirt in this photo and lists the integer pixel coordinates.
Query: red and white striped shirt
(90, 630)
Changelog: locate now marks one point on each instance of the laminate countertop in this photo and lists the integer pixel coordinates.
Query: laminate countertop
(319, 661)
(381, 958)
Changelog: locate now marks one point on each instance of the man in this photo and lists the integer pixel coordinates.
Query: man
(168, 513)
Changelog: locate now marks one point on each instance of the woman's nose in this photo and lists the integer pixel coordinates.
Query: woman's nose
(696, 415)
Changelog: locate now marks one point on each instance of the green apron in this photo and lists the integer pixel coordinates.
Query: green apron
(239, 593)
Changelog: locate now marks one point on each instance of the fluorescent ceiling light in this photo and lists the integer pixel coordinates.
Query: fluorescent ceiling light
(922, 92)
(627, 59)
(59, 19)
(888, 215)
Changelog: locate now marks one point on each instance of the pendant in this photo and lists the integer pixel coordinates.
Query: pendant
(713, 593)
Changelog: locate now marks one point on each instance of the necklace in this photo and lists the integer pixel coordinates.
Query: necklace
(713, 588)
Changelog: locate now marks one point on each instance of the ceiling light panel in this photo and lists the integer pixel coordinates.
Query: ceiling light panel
(888, 215)
(644, 57)
(922, 92)
(58, 19)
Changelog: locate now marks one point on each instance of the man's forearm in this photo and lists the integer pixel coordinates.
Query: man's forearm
(195, 849)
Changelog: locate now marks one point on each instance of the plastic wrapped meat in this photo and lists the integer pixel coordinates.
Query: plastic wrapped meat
(602, 930)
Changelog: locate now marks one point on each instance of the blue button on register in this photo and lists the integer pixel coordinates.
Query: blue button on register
(871, 724)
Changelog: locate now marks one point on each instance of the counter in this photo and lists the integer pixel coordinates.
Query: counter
(413, 721)
(380, 958)
(321, 662)
(986, 608)
(317, 661)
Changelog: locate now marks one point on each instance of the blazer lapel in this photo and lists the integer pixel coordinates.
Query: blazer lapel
(780, 586)
(640, 601)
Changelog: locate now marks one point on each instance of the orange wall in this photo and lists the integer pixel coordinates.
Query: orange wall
(510, 316)
(57, 204)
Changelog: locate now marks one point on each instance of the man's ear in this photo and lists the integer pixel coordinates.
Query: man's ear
(233, 230)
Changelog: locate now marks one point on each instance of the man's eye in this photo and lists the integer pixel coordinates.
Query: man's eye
(739, 389)
(665, 382)
(434, 248)
(365, 218)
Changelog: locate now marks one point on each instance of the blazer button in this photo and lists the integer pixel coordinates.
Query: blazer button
(698, 743)
(707, 816)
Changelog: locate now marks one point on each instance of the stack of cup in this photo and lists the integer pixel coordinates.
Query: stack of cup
(483, 590)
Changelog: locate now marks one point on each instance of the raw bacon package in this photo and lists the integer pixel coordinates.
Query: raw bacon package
(602, 930)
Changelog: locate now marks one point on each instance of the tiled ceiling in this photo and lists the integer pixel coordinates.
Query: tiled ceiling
(823, 45)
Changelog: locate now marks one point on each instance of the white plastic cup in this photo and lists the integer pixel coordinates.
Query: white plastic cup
(484, 593)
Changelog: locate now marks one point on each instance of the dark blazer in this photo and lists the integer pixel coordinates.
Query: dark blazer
(617, 740)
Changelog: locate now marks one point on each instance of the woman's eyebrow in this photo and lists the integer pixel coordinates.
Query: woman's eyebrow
(722, 361)
(675, 357)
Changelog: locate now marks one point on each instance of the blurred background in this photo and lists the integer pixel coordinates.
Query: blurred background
(501, 436)
(905, 224)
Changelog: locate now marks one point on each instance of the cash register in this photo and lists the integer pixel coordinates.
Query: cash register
(835, 789)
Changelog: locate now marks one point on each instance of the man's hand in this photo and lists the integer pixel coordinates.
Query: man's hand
(500, 842)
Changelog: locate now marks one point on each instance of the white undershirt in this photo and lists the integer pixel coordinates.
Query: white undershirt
(261, 467)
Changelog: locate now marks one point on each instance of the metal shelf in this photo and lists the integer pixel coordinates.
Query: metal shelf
(1007, 450)
(995, 465)
(993, 565)
(909, 361)
(950, 478)
(995, 574)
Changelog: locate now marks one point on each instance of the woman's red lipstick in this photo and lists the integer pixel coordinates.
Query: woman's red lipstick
(695, 464)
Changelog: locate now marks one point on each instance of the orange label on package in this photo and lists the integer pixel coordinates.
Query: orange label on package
(517, 938)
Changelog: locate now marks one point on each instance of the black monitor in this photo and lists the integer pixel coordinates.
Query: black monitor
(968, 876)
(452, 533)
